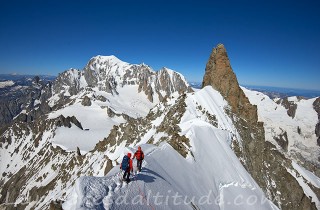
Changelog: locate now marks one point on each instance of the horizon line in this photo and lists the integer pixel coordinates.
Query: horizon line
(189, 81)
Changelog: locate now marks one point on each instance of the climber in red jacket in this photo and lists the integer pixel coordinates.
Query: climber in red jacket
(140, 156)
(126, 166)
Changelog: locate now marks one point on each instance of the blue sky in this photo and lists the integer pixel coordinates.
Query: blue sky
(270, 43)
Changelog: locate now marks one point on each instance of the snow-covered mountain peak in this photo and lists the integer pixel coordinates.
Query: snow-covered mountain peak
(107, 65)
(115, 90)
(107, 58)
(110, 74)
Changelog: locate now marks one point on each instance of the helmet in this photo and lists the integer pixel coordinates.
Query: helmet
(129, 154)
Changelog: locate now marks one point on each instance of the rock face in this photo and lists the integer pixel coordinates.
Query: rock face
(261, 159)
(31, 98)
(86, 101)
(69, 79)
(289, 105)
(282, 140)
(316, 106)
(9, 109)
(221, 77)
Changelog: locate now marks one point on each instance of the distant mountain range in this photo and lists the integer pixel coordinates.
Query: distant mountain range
(274, 92)
(277, 92)
(12, 86)
(16, 77)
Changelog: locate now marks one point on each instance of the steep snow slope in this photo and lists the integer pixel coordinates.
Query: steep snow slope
(211, 177)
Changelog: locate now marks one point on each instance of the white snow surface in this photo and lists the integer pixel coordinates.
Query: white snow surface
(211, 178)
(308, 175)
(7, 83)
(129, 101)
(301, 178)
(277, 121)
(93, 118)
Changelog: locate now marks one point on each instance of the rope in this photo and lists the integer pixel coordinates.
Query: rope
(140, 191)
(142, 194)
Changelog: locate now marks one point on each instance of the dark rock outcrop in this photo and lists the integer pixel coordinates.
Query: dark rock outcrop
(108, 166)
(102, 98)
(11, 185)
(66, 122)
(318, 130)
(55, 205)
(259, 157)
(69, 79)
(290, 106)
(282, 140)
(86, 101)
(8, 110)
(111, 113)
(78, 151)
(316, 106)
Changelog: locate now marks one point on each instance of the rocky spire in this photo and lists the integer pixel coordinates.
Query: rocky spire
(221, 77)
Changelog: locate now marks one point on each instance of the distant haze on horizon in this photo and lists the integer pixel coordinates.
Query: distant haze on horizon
(269, 43)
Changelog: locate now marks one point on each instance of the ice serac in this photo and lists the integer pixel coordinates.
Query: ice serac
(267, 166)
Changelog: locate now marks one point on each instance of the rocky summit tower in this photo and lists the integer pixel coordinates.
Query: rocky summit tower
(221, 77)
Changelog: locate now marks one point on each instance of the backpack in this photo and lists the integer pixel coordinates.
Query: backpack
(125, 163)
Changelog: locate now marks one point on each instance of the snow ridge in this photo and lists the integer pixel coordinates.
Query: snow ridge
(214, 175)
